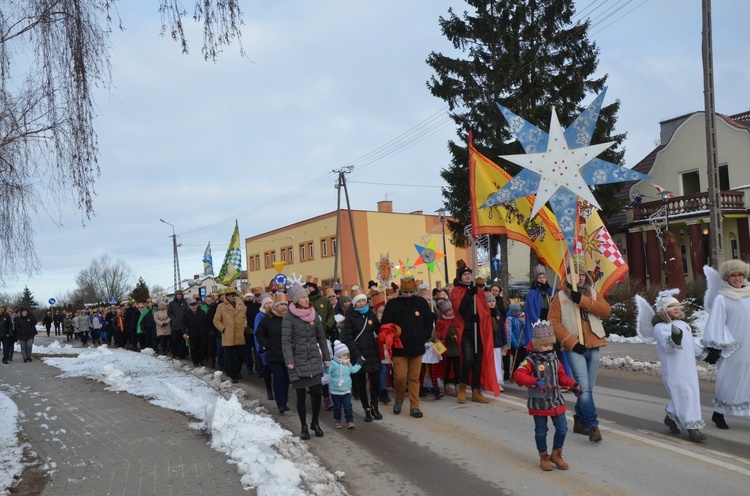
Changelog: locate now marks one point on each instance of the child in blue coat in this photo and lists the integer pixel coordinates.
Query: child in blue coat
(341, 371)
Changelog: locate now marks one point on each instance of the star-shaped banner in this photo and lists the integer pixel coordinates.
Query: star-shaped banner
(428, 255)
(560, 166)
(404, 269)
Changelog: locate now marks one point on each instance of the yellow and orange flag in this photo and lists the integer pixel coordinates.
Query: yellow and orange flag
(541, 233)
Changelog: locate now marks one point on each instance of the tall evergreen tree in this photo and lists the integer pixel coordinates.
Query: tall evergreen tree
(528, 55)
(27, 300)
(140, 292)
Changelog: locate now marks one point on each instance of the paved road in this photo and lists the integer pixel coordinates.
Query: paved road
(100, 442)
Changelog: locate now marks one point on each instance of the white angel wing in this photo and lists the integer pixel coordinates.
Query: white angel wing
(644, 328)
(713, 284)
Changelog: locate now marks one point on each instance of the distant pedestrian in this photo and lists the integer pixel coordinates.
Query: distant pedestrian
(196, 326)
(6, 330)
(230, 320)
(68, 326)
(57, 322)
(25, 327)
(163, 328)
(176, 309)
(84, 324)
(268, 333)
(47, 323)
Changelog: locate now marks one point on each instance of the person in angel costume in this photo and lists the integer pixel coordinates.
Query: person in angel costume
(727, 338)
(677, 353)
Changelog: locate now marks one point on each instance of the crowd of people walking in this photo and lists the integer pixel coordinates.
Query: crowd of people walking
(336, 346)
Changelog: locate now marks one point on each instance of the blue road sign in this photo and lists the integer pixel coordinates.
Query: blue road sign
(495, 264)
(52, 301)
(113, 301)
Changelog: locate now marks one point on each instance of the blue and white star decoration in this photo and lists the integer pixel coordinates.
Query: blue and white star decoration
(560, 166)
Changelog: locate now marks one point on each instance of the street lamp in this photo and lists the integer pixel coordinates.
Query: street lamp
(441, 213)
(665, 197)
(177, 278)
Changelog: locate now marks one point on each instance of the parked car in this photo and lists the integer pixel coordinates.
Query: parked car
(519, 289)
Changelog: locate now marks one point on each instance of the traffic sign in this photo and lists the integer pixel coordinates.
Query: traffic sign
(113, 301)
(495, 264)
(52, 301)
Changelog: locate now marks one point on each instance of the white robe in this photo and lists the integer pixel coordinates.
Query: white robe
(728, 329)
(680, 374)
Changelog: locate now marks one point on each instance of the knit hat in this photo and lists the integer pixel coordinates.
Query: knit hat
(514, 307)
(446, 308)
(542, 333)
(491, 299)
(408, 284)
(666, 300)
(296, 292)
(359, 297)
(265, 300)
(339, 349)
(539, 270)
(461, 268)
(731, 267)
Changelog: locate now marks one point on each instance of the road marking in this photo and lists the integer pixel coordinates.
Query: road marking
(662, 445)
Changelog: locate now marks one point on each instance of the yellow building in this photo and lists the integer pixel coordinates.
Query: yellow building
(309, 247)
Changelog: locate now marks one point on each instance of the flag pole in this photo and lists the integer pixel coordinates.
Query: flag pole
(574, 280)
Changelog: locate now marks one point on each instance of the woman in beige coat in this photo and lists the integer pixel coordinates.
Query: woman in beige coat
(163, 329)
(230, 320)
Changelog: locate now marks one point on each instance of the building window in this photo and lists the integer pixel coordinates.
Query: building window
(257, 261)
(691, 183)
(683, 251)
(267, 258)
(290, 255)
(333, 245)
(302, 252)
(734, 248)
(283, 254)
(310, 247)
(251, 263)
(724, 178)
(273, 256)
(324, 248)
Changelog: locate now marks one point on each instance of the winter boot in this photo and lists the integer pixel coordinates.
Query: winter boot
(672, 425)
(718, 419)
(595, 434)
(544, 461)
(557, 459)
(305, 434)
(461, 393)
(476, 395)
(450, 390)
(438, 393)
(384, 398)
(327, 403)
(696, 435)
(397, 407)
(375, 413)
(368, 415)
(579, 427)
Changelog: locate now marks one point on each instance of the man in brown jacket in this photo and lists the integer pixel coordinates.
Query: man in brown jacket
(567, 308)
(230, 320)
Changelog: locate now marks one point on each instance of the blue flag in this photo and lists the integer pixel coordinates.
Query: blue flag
(208, 263)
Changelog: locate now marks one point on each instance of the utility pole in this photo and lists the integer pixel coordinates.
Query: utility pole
(714, 192)
(177, 277)
(342, 184)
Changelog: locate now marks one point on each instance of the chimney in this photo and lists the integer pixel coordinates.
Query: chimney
(385, 206)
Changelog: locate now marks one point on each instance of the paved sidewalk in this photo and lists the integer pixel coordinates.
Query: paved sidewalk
(97, 442)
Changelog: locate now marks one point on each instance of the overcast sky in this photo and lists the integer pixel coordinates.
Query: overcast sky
(327, 84)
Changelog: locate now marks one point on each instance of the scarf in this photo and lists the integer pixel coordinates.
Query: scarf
(734, 293)
(364, 310)
(307, 314)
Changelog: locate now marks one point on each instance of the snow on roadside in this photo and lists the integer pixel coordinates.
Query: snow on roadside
(11, 452)
(270, 458)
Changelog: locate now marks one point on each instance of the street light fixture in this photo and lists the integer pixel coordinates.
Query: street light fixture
(441, 213)
(177, 277)
(665, 197)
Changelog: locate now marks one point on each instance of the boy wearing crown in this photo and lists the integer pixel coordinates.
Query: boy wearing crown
(542, 374)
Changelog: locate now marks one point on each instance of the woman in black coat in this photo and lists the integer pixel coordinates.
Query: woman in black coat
(25, 328)
(359, 334)
(196, 325)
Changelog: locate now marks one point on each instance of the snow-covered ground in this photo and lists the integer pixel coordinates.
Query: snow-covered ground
(271, 459)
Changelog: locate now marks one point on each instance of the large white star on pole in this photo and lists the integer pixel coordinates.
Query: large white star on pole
(559, 166)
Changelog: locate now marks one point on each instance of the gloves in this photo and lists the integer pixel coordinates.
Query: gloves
(579, 348)
(541, 385)
(575, 296)
(472, 290)
(713, 356)
(676, 335)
